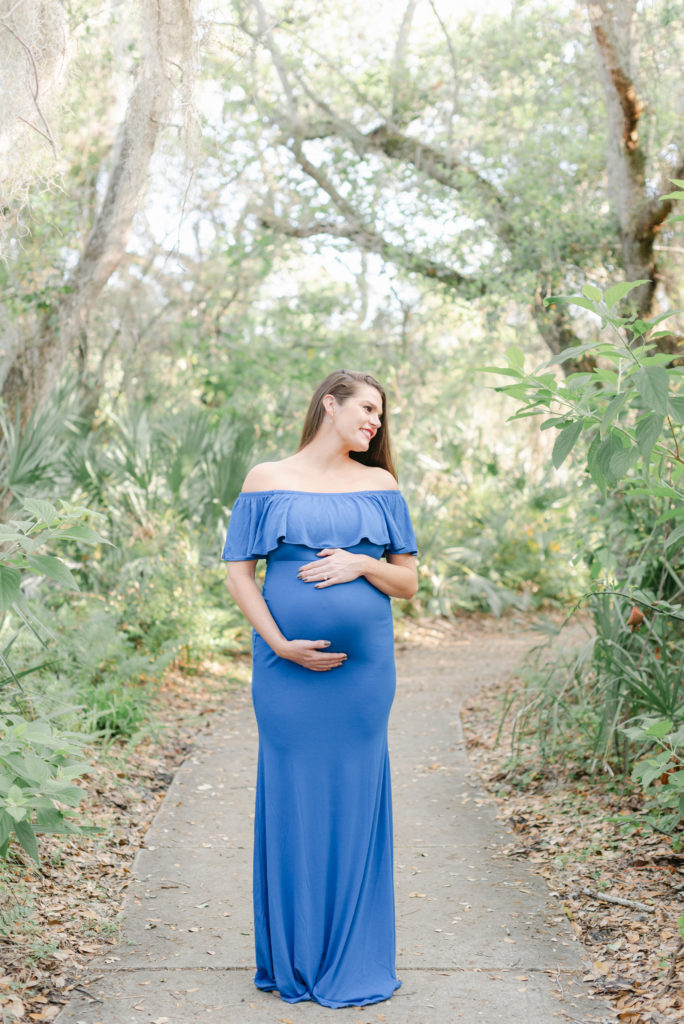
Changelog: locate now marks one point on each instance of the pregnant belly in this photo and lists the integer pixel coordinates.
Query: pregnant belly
(354, 616)
(319, 715)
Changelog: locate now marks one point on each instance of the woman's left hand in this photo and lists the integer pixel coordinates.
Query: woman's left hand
(334, 565)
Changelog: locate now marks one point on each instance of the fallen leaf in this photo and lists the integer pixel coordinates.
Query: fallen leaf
(12, 1008)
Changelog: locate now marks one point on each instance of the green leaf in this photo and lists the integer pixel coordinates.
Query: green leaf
(639, 327)
(676, 739)
(593, 464)
(43, 510)
(612, 409)
(514, 390)
(676, 407)
(605, 452)
(6, 826)
(660, 728)
(621, 461)
(670, 513)
(652, 383)
(590, 291)
(676, 780)
(572, 300)
(50, 819)
(27, 839)
(565, 442)
(665, 316)
(80, 532)
(507, 371)
(572, 352)
(516, 357)
(53, 568)
(577, 300)
(648, 430)
(673, 195)
(10, 581)
(648, 772)
(8, 534)
(659, 491)
(618, 291)
(576, 382)
(675, 536)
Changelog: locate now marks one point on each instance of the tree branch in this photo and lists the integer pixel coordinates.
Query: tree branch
(370, 241)
(398, 66)
(658, 210)
(46, 133)
(266, 34)
(427, 160)
(454, 67)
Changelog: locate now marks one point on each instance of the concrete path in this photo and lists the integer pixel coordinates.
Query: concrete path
(478, 937)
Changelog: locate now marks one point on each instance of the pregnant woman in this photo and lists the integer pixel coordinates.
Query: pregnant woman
(338, 541)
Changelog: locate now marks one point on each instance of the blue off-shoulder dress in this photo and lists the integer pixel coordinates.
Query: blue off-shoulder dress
(323, 860)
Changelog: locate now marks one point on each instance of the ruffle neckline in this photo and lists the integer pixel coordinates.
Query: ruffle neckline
(260, 520)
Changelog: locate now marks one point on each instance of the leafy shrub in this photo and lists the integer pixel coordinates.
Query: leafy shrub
(660, 770)
(37, 764)
(37, 760)
(485, 547)
(629, 412)
(579, 698)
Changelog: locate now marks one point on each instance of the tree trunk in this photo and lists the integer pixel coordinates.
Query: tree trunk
(37, 364)
(639, 213)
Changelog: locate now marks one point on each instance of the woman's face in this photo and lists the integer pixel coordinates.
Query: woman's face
(359, 418)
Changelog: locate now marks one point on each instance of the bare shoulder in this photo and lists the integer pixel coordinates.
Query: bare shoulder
(264, 476)
(380, 479)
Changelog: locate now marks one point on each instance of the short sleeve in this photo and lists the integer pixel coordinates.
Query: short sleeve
(402, 539)
(244, 538)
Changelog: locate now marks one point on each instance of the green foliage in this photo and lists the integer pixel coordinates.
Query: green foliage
(96, 681)
(23, 538)
(37, 760)
(660, 770)
(630, 409)
(37, 764)
(625, 421)
(488, 548)
(628, 414)
(30, 458)
(191, 460)
(578, 698)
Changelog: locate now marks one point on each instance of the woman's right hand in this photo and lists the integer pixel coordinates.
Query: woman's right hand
(311, 654)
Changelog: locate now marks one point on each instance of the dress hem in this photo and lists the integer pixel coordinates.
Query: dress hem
(268, 986)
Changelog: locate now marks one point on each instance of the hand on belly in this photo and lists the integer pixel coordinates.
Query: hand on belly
(312, 654)
(333, 565)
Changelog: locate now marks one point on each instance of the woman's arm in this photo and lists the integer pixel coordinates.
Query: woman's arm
(245, 591)
(396, 577)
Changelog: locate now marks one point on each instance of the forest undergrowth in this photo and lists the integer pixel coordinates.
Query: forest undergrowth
(55, 917)
(576, 828)
(584, 828)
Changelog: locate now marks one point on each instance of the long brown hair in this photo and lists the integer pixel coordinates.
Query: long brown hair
(342, 384)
